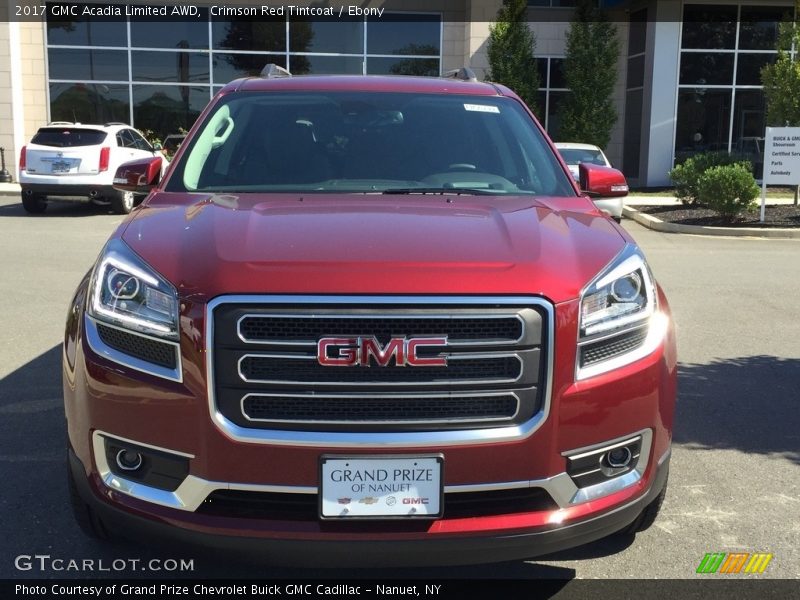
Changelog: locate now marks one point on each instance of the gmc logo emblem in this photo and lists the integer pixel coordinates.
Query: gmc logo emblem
(361, 351)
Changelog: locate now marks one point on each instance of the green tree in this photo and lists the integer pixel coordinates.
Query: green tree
(510, 49)
(587, 114)
(781, 80)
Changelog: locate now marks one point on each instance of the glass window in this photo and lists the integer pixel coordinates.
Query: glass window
(709, 26)
(553, 118)
(417, 34)
(541, 69)
(89, 103)
(164, 109)
(555, 3)
(341, 36)
(634, 99)
(168, 32)
(707, 68)
(228, 67)
(748, 70)
(538, 110)
(124, 139)
(637, 38)
(264, 35)
(368, 142)
(139, 141)
(748, 128)
(326, 65)
(703, 121)
(179, 67)
(80, 31)
(428, 67)
(557, 78)
(635, 72)
(87, 65)
(759, 26)
(68, 137)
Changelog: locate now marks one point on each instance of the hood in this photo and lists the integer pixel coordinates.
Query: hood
(208, 245)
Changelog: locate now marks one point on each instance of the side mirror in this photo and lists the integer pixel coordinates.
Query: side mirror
(157, 147)
(138, 176)
(602, 182)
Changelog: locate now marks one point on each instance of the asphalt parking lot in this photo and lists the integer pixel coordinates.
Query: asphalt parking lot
(735, 477)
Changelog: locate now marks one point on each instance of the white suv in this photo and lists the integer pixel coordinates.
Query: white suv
(75, 161)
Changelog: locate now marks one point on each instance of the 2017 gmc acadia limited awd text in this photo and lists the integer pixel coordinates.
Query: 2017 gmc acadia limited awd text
(369, 320)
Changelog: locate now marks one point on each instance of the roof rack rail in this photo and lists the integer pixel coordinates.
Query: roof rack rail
(273, 71)
(464, 74)
(115, 123)
(61, 123)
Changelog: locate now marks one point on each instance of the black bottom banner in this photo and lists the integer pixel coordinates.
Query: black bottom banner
(498, 589)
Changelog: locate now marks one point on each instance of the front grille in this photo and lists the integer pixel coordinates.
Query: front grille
(595, 352)
(266, 373)
(152, 351)
(265, 368)
(282, 329)
(305, 507)
(349, 409)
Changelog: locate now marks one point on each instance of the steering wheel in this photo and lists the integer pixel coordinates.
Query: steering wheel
(461, 167)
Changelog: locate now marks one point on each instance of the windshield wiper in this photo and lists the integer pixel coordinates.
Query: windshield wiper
(445, 191)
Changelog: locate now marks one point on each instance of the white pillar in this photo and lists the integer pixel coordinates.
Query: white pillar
(665, 34)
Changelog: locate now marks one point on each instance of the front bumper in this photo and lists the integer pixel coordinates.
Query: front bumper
(105, 398)
(386, 549)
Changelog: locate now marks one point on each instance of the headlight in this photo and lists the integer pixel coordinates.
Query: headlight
(127, 293)
(617, 311)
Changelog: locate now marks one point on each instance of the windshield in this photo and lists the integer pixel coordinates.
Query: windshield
(369, 142)
(574, 156)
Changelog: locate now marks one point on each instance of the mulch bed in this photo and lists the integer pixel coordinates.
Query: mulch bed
(776, 215)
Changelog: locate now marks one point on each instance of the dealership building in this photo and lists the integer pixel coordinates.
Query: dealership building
(688, 72)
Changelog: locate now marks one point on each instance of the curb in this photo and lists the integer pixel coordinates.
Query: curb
(658, 225)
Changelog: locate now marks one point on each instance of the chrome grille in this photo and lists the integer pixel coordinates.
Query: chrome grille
(303, 330)
(394, 408)
(304, 370)
(266, 374)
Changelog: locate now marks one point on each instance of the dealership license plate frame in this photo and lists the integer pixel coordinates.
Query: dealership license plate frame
(365, 512)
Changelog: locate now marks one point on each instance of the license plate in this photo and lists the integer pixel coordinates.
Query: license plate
(381, 487)
(61, 166)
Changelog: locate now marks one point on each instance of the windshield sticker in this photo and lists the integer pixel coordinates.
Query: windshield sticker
(488, 108)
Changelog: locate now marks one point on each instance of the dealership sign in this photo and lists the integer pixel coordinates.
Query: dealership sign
(781, 159)
(782, 156)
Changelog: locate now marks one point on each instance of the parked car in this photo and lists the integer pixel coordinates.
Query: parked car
(369, 320)
(575, 154)
(73, 161)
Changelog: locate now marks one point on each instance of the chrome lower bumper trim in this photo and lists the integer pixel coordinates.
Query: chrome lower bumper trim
(194, 490)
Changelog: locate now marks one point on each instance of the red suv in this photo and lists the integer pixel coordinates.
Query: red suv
(369, 320)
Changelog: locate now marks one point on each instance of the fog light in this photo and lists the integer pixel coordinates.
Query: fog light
(129, 460)
(619, 457)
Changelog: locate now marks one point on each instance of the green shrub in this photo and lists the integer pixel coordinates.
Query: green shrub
(686, 176)
(727, 189)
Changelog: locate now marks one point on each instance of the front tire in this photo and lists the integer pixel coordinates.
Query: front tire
(648, 516)
(34, 204)
(88, 521)
(122, 202)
